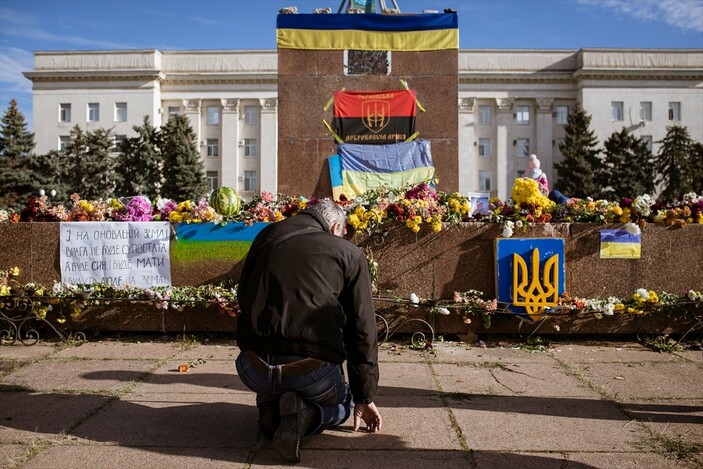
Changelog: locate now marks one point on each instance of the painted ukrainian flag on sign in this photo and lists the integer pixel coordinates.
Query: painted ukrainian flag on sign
(620, 244)
(358, 168)
(370, 31)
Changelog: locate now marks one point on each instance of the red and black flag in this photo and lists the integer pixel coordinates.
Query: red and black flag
(374, 117)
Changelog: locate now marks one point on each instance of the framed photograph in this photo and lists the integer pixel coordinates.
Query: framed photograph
(479, 203)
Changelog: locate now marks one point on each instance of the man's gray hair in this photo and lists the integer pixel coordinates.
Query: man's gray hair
(330, 211)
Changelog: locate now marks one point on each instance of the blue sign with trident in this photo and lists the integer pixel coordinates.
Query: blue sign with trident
(530, 274)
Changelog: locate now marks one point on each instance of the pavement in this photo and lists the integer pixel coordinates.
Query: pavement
(575, 404)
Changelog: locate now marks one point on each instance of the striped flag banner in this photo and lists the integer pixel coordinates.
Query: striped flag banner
(358, 168)
(370, 31)
(375, 117)
(620, 244)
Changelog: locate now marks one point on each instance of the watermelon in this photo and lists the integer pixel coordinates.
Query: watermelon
(225, 201)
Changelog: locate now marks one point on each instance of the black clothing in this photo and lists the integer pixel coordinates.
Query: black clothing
(310, 295)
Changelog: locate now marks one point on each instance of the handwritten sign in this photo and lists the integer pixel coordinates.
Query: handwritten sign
(119, 254)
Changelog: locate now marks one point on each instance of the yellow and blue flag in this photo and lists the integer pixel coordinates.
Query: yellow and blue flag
(370, 31)
(620, 244)
(357, 168)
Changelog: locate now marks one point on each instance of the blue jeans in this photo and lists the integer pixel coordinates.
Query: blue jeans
(323, 388)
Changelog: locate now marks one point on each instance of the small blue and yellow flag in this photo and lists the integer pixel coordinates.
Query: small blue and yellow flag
(620, 244)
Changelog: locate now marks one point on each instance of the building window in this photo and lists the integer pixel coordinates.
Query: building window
(93, 112)
(250, 147)
(65, 112)
(250, 181)
(616, 111)
(118, 141)
(213, 115)
(484, 115)
(484, 147)
(64, 140)
(212, 180)
(251, 115)
(562, 114)
(645, 111)
(674, 111)
(523, 115)
(367, 62)
(484, 180)
(173, 110)
(647, 140)
(213, 147)
(523, 147)
(120, 112)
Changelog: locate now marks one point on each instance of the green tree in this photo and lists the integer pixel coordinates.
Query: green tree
(90, 164)
(697, 167)
(140, 166)
(578, 171)
(50, 172)
(184, 173)
(628, 169)
(16, 147)
(676, 163)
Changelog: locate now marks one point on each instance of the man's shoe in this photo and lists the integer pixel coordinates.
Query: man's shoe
(268, 419)
(286, 439)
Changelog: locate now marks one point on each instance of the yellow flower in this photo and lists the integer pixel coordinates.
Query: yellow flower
(619, 307)
(14, 271)
(4, 290)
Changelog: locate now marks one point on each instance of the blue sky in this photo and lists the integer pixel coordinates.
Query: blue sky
(36, 25)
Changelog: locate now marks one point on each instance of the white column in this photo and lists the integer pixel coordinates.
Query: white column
(504, 152)
(192, 107)
(229, 146)
(268, 160)
(545, 135)
(468, 169)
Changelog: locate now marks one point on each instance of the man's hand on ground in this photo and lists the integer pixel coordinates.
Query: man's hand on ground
(370, 415)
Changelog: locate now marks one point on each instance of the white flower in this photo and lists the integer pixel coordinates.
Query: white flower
(443, 311)
(415, 299)
(632, 228)
(642, 292)
(518, 224)
(508, 229)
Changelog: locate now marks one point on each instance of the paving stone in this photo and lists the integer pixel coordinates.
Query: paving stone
(419, 422)
(227, 420)
(633, 382)
(120, 350)
(621, 461)
(9, 453)
(207, 376)
(672, 418)
(226, 351)
(153, 457)
(267, 458)
(609, 353)
(490, 354)
(543, 424)
(90, 375)
(18, 351)
(504, 459)
(693, 355)
(405, 379)
(510, 379)
(25, 416)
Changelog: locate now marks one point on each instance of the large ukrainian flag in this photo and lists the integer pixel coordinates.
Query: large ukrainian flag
(370, 31)
(358, 168)
(620, 244)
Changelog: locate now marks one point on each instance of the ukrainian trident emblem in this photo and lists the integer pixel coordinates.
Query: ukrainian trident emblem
(530, 274)
(376, 114)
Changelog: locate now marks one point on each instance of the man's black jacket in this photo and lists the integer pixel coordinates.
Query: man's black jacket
(310, 295)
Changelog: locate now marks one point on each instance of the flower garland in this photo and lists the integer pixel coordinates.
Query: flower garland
(413, 207)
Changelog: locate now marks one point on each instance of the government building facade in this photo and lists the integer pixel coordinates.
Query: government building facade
(512, 103)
